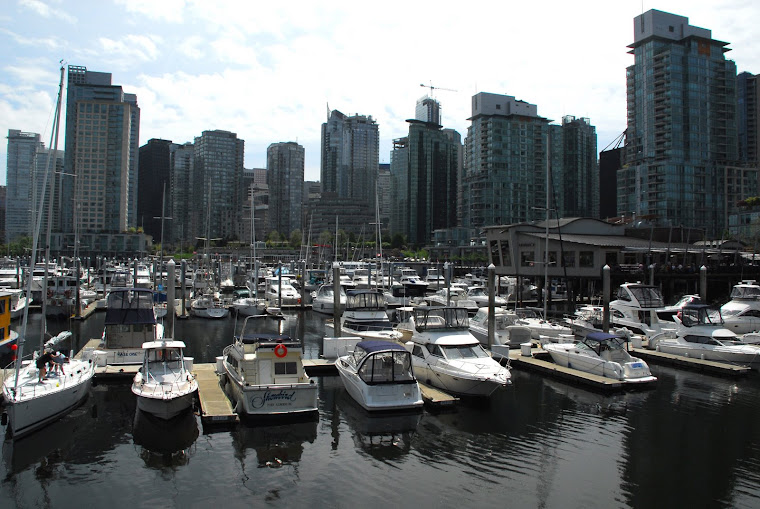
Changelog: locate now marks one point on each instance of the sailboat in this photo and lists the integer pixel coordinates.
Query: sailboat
(31, 402)
(251, 305)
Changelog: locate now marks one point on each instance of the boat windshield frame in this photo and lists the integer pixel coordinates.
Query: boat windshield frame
(745, 292)
(365, 300)
(438, 318)
(647, 296)
(704, 315)
(391, 366)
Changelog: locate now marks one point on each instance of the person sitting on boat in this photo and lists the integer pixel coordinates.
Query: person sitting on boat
(58, 360)
(42, 362)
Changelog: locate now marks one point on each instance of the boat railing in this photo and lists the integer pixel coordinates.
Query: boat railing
(64, 379)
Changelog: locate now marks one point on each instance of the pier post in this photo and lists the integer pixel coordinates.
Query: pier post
(606, 297)
(703, 283)
(491, 303)
(183, 268)
(336, 299)
(303, 284)
(279, 285)
(77, 312)
(651, 274)
(447, 275)
(170, 299)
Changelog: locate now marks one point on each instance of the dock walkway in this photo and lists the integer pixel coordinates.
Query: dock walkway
(710, 367)
(215, 407)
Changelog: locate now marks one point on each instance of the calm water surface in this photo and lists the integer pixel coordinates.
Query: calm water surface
(694, 441)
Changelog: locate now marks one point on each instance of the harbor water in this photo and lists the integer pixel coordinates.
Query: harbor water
(692, 441)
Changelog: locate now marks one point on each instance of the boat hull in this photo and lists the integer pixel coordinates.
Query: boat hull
(165, 408)
(635, 371)
(263, 400)
(460, 383)
(380, 397)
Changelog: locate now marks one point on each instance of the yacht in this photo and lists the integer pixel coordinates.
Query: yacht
(701, 334)
(446, 355)
(164, 386)
(409, 284)
(281, 294)
(435, 279)
(378, 375)
(249, 306)
(323, 300)
(479, 294)
(742, 313)
(263, 375)
(366, 316)
(507, 332)
(208, 305)
(130, 321)
(540, 328)
(453, 296)
(636, 308)
(603, 354)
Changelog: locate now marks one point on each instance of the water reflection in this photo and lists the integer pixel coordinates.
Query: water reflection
(165, 443)
(275, 444)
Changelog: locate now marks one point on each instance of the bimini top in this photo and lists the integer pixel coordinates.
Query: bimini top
(601, 336)
(130, 306)
(264, 337)
(379, 346)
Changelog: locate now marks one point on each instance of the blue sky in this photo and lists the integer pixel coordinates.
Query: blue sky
(269, 70)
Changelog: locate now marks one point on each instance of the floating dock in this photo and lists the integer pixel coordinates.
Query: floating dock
(215, 407)
(88, 310)
(703, 366)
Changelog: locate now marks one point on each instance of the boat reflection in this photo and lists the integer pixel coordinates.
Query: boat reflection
(386, 436)
(165, 443)
(595, 403)
(276, 444)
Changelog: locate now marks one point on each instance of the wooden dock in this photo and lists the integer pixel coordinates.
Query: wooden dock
(87, 311)
(215, 407)
(691, 363)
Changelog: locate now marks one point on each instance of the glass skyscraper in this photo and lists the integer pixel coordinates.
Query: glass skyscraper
(682, 124)
(285, 177)
(22, 149)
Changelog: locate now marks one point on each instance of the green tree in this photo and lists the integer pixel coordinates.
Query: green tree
(397, 241)
(273, 239)
(296, 238)
(325, 238)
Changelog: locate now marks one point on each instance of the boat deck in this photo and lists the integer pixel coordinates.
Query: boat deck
(710, 367)
(215, 407)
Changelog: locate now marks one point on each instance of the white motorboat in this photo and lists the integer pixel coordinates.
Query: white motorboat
(446, 355)
(208, 305)
(164, 386)
(366, 316)
(130, 321)
(453, 296)
(507, 332)
(742, 313)
(540, 328)
(479, 294)
(323, 299)
(637, 307)
(603, 354)
(587, 318)
(378, 375)
(18, 301)
(263, 375)
(435, 279)
(667, 313)
(281, 295)
(409, 284)
(244, 303)
(701, 334)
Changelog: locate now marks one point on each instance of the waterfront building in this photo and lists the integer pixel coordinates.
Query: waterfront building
(99, 187)
(285, 178)
(423, 171)
(384, 204)
(682, 124)
(215, 205)
(42, 158)
(610, 161)
(3, 193)
(350, 157)
(428, 110)
(181, 207)
(748, 115)
(22, 149)
(505, 159)
(153, 180)
(577, 188)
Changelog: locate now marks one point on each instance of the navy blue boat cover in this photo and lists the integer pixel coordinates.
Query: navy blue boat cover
(130, 306)
(377, 345)
(601, 336)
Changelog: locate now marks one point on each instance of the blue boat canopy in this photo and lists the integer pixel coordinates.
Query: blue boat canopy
(601, 336)
(377, 346)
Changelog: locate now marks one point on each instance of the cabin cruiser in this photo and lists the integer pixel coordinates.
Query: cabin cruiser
(130, 321)
(603, 354)
(164, 386)
(539, 328)
(636, 308)
(479, 294)
(453, 296)
(378, 375)
(409, 284)
(249, 306)
(587, 318)
(281, 293)
(435, 279)
(446, 355)
(263, 375)
(667, 313)
(701, 334)
(742, 313)
(366, 316)
(208, 305)
(323, 300)
(507, 332)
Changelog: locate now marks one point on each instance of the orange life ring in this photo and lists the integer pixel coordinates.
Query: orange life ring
(281, 350)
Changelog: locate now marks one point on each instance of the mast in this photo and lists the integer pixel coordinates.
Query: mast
(35, 237)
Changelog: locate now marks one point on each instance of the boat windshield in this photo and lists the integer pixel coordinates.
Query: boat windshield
(456, 352)
(441, 318)
(387, 367)
(365, 300)
(701, 315)
(749, 292)
(647, 296)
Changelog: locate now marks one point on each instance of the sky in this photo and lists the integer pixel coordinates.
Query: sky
(270, 71)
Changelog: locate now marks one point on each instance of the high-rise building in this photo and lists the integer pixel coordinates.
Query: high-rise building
(99, 187)
(3, 193)
(285, 177)
(384, 195)
(153, 190)
(180, 205)
(424, 182)
(428, 110)
(577, 188)
(22, 148)
(748, 115)
(350, 157)
(216, 182)
(682, 124)
(505, 162)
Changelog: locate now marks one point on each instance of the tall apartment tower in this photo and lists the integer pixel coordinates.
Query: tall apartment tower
(505, 162)
(154, 179)
(216, 194)
(682, 127)
(285, 177)
(350, 157)
(748, 115)
(99, 187)
(181, 207)
(424, 181)
(577, 188)
(22, 149)
(428, 110)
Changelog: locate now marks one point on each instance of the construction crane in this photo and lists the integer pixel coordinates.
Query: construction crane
(431, 87)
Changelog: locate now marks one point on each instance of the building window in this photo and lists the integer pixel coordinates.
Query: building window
(506, 256)
(526, 258)
(586, 259)
(569, 259)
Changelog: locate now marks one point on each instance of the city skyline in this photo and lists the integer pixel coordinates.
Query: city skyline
(269, 73)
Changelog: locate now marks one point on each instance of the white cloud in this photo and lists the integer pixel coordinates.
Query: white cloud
(170, 11)
(50, 43)
(46, 11)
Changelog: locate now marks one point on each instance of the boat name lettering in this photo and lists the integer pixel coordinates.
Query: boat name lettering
(273, 397)
(126, 354)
